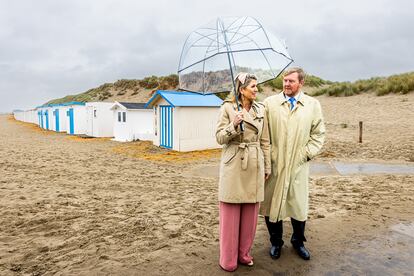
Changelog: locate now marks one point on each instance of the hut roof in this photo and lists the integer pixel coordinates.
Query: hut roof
(176, 98)
(129, 106)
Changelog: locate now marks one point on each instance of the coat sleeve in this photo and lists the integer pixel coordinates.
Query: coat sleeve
(265, 143)
(317, 135)
(225, 130)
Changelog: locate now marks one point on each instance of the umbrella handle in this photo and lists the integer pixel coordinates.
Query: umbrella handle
(241, 123)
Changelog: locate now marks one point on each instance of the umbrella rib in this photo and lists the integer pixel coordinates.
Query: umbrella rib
(247, 25)
(202, 36)
(225, 52)
(258, 28)
(229, 53)
(238, 28)
(264, 31)
(204, 65)
(258, 48)
(227, 28)
(192, 45)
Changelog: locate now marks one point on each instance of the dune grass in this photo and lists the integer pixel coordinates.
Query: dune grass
(395, 84)
(310, 81)
(121, 87)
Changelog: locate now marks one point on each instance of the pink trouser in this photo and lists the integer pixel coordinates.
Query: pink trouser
(237, 229)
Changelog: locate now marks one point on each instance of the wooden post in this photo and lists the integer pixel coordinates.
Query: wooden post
(360, 131)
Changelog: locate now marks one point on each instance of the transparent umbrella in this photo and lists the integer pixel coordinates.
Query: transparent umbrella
(214, 54)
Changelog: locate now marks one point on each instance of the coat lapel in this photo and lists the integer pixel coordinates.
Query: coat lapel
(252, 117)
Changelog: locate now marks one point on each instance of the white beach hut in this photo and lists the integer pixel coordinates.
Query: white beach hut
(18, 115)
(51, 124)
(132, 121)
(54, 117)
(27, 116)
(45, 112)
(99, 119)
(75, 118)
(60, 117)
(40, 116)
(43, 117)
(30, 116)
(184, 121)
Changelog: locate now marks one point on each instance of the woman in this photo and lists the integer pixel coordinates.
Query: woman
(244, 166)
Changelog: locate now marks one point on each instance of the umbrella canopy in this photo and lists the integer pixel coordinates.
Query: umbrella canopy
(214, 54)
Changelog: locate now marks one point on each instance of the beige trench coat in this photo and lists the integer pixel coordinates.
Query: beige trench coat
(245, 156)
(296, 136)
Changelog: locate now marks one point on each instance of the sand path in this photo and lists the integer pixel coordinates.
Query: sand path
(72, 206)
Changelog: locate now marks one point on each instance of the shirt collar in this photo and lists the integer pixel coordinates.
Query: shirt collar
(299, 97)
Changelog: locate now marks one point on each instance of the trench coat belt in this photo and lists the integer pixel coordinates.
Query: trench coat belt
(245, 154)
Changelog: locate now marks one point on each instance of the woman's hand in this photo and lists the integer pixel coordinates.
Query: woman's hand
(238, 118)
(267, 175)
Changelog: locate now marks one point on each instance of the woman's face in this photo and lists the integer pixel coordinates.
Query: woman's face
(249, 92)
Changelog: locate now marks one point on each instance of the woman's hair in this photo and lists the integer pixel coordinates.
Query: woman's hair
(242, 80)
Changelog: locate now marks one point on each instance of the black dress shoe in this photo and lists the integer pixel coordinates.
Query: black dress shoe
(302, 251)
(275, 251)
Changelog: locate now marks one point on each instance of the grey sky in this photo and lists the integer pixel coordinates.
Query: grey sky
(53, 48)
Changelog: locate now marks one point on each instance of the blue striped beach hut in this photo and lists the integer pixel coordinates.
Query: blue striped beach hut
(184, 121)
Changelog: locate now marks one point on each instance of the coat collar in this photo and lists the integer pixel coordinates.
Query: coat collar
(251, 115)
(282, 99)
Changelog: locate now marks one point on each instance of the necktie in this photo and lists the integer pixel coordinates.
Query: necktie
(292, 102)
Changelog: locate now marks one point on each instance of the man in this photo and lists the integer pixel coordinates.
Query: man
(297, 134)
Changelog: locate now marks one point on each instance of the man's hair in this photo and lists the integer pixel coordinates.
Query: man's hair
(301, 73)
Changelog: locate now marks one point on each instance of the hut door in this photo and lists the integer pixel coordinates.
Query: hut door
(40, 118)
(57, 128)
(166, 126)
(47, 119)
(71, 121)
(89, 120)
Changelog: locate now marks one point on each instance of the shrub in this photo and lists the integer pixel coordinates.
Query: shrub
(149, 82)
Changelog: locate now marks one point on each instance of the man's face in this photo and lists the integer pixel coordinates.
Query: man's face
(291, 84)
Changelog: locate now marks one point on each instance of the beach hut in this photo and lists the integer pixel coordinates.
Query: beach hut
(50, 124)
(57, 117)
(99, 119)
(59, 112)
(45, 117)
(75, 118)
(184, 121)
(30, 116)
(18, 115)
(54, 117)
(132, 121)
(40, 116)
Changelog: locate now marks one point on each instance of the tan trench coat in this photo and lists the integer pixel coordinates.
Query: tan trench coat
(245, 156)
(296, 136)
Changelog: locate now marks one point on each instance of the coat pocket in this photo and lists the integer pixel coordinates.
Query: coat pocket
(229, 154)
(303, 158)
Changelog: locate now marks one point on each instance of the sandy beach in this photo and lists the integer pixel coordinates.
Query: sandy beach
(75, 206)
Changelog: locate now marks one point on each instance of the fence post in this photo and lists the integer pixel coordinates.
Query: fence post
(360, 131)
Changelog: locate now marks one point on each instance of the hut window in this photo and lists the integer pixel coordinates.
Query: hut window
(119, 116)
(94, 113)
(124, 117)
